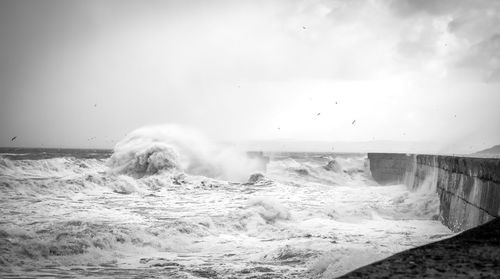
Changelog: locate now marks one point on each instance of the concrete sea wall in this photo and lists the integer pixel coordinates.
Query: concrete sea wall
(468, 188)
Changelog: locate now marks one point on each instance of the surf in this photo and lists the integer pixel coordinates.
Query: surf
(166, 200)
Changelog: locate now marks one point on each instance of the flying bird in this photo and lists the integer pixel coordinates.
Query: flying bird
(13, 139)
(354, 121)
(319, 113)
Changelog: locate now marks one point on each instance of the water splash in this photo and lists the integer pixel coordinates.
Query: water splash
(156, 149)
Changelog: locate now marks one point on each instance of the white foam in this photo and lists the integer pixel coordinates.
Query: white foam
(312, 225)
(155, 149)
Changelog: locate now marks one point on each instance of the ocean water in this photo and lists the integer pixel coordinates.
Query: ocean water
(147, 210)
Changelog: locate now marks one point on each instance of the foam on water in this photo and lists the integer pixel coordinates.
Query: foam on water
(146, 212)
(151, 150)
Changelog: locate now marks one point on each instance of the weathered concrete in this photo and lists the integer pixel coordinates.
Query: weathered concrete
(387, 168)
(472, 254)
(468, 188)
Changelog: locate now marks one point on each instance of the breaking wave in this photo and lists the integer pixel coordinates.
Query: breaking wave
(152, 150)
(340, 170)
(162, 200)
(49, 168)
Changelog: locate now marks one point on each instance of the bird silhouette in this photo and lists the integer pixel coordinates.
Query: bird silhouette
(13, 139)
(354, 121)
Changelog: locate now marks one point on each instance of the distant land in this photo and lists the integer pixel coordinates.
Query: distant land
(489, 152)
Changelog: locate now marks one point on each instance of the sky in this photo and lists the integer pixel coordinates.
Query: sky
(85, 73)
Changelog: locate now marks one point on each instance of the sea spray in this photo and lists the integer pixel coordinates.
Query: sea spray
(156, 149)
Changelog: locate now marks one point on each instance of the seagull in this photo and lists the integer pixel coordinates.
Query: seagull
(13, 139)
(354, 121)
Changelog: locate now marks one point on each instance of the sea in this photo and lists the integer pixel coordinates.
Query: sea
(154, 207)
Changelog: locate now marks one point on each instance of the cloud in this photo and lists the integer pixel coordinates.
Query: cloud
(436, 7)
(262, 40)
(456, 34)
(223, 65)
(485, 56)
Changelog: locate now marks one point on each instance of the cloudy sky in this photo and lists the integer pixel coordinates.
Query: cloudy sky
(85, 73)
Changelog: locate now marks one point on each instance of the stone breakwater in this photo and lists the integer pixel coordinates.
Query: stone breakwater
(468, 188)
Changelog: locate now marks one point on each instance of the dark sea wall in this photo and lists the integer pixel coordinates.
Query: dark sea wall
(468, 188)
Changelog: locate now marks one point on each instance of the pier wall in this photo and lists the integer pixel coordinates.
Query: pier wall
(468, 188)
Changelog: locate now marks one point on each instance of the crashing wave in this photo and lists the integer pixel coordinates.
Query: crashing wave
(256, 177)
(152, 150)
(334, 166)
(269, 210)
(325, 170)
(289, 254)
(143, 159)
(48, 168)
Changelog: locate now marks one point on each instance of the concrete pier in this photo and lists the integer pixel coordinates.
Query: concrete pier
(468, 188)
(469, 192)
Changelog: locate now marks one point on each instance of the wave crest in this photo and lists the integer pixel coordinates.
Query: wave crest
(140, 158)
(155, 149)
